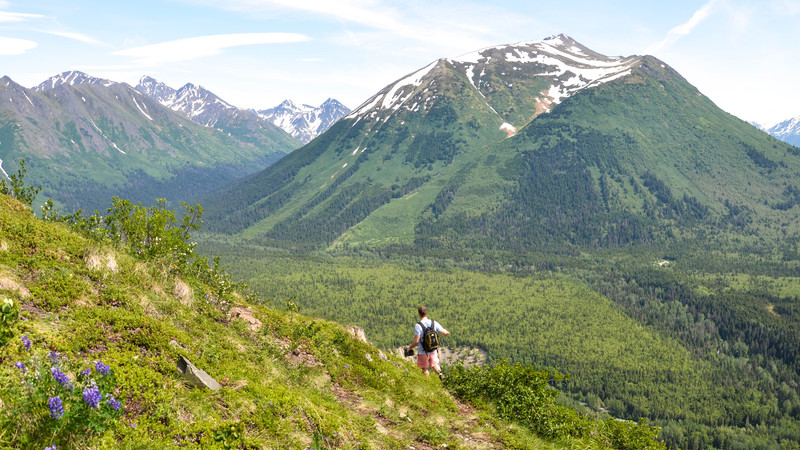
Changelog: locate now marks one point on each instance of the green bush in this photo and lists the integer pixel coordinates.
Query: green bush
(9, 314)
(17, 188)
(522, 394)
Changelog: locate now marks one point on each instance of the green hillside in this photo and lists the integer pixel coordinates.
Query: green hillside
(93, 332)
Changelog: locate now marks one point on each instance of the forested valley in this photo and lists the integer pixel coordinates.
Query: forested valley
(704, 345)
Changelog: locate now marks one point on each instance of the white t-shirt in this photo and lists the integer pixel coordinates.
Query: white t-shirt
(418, 332)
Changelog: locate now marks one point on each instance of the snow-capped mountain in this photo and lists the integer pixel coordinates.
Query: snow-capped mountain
(305, 122)
(788, 131)
(517, 81)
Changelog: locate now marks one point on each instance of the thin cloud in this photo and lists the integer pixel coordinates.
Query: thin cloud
(14, 46)
(11, 17)
(416, 20)
(76, 36)
(203, 46)
(683, 29)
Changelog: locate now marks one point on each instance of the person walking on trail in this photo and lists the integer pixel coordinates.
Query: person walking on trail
(426, 359)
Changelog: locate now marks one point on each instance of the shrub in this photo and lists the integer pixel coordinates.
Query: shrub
(9, 314)
(16, 187)
(522, 394)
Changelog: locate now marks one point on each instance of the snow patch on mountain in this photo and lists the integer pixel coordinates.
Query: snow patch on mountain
(566, 65)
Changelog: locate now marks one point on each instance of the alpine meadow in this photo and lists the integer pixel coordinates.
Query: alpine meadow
(617, 260)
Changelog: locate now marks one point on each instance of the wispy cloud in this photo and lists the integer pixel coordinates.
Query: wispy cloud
(442, 26)
(14, 46)
(11, 17)
(76, 36)
(683, 29)
(203, 46)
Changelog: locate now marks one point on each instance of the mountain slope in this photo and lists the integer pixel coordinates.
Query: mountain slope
(305, 122)
(86, 139)
(433, 160)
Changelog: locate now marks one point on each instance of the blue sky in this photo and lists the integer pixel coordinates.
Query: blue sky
(743, 54)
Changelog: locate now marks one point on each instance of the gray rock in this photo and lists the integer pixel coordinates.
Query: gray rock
(196, 377)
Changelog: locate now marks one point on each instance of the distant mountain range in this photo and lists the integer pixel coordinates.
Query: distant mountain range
(305, 122)
(86, 139)
(540, 144)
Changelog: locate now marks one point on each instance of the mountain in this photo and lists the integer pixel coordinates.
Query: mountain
(205, 108)
(305, 122)
(534, 145)
(86, 139)
(788, 131)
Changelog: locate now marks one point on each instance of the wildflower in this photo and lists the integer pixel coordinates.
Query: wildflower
(102, 368)
(50, 448)
(113, 402)
(26, 342)
(87, 372)
(21, 366)
(56, 408)
(53, 357)
(92, 397)
(133, 424)
(61, 377)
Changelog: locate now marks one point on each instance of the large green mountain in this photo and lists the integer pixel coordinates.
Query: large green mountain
(86, 139)
(515, 147)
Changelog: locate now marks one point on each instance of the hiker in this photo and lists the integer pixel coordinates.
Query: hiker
(426, 359)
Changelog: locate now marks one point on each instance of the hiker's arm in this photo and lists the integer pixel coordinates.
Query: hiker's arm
(414, 344)
(444, 332)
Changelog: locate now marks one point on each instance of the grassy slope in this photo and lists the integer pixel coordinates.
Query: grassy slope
(91, 302)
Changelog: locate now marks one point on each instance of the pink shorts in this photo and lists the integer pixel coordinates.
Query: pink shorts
(427, 361)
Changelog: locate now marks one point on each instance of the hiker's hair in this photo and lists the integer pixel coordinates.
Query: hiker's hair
(423, 311)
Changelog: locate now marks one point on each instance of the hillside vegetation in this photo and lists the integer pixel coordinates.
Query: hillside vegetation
(94, 325)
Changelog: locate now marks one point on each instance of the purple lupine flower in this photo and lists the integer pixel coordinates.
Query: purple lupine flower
(56, 408)
(92, 396)
(21, 366)
(133, 424)
(26, 342)
(53, 357)
(50, 448)
(113, 402)
(102, 368)
(87, 372)
(61, 377)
